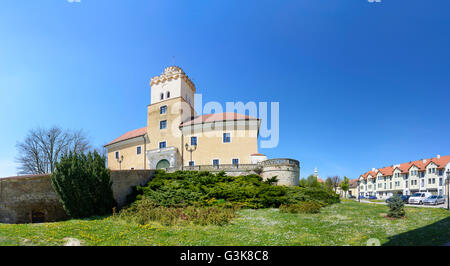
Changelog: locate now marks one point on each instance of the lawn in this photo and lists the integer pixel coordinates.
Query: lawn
(346, 223)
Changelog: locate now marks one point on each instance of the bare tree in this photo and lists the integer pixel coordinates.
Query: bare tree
(335, 180)
(42, 148)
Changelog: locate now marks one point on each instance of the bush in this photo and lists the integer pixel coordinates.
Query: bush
(187, 188)
(302, 207)
(396, 207)
(83, 185)
(146, 211)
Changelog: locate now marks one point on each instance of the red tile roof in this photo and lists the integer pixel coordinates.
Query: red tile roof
(386, 170)
(129, 135)
(217, 117)
(353, 183)
(404, 167)
(257, 154)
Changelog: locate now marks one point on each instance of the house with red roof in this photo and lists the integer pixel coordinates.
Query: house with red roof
(424, 175)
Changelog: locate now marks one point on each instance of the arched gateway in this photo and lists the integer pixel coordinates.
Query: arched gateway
(163, 164)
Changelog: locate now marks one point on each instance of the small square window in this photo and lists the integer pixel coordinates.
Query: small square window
(138, 150)
(235, 161)
(216, 162)
(162, 144)
(191, 163)
(163, 124)
(163, 109)
(226, 138)
(193, 141)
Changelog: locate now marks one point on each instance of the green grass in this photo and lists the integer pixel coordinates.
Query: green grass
(376, 200)
(346, 223)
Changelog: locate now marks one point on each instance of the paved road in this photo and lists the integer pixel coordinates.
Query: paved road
(409, 205)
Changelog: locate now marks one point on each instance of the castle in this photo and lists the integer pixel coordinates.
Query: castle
(176, 138)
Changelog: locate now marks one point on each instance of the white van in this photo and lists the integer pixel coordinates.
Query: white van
(418, 197)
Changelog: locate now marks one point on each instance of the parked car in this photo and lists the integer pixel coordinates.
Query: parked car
(434, 200)
(418, 197)
(404, 198)
(372, 197)
(361, 197)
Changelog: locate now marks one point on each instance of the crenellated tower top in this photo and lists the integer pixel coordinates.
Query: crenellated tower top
(172, 73)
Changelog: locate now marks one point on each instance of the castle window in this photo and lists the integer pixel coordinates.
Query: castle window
(168, 94)
(138, 150)
(226, 138)
(162, 144)
(163, 124)
(216, 162)
(162, 96)
(163, 109)
(235, 161)
(193, 141)
(117, 155)
(191, 163)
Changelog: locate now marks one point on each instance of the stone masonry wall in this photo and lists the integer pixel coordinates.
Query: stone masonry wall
(125, 180)
(25, 197)
(22, 196)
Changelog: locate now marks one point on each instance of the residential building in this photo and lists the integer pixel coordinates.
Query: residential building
(426, 175)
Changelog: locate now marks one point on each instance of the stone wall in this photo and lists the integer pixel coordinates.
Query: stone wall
(287, 171)
(23, 197)
(125, 180)
(26, 199)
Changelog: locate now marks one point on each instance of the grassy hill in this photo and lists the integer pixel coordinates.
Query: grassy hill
(346, 223)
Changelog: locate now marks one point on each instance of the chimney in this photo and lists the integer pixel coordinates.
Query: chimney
(424, 160)
(438, 156)
(373, 169)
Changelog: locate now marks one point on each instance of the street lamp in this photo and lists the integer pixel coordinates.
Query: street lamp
(359, 196)
(191, 149)
(448, 185)
(120, 162)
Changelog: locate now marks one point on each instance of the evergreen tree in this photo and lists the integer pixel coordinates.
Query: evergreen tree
(83, 184)
(396, 207)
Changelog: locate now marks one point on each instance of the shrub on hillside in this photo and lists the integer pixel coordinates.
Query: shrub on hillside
(396, 207)
(83, 185)
(187, 188)
(146, 211)
(302, 207)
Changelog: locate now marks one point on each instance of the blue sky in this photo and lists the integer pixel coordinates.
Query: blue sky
(360, 84)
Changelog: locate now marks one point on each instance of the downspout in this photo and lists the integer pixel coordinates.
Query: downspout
(145, 152)
(182, 148)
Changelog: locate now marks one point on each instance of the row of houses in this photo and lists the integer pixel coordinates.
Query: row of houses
(426, 175)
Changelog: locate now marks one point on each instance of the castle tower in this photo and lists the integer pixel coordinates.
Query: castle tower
(172, 102)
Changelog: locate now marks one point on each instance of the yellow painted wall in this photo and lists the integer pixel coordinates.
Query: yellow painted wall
(177, 110)
(244, 142)
(130, 157)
